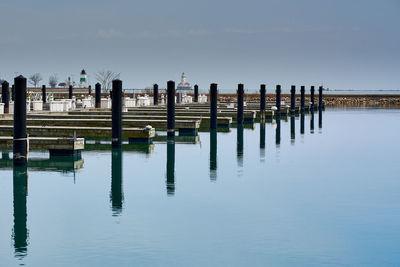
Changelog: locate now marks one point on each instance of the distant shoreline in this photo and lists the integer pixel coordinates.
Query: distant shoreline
(351, 100)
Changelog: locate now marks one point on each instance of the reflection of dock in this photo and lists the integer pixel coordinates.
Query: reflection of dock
(58, 164)
(179, 139)
(56, 146)
(125, 147)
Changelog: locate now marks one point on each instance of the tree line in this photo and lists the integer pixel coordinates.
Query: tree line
(104, 77)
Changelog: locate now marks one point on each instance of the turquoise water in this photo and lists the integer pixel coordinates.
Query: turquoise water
(328, 197)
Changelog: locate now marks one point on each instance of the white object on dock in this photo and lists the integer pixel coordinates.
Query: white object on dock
(129, 102)
(37, 105)
(87, 103)
(105, 103)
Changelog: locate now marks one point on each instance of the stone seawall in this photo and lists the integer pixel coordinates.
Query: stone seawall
(330, 100)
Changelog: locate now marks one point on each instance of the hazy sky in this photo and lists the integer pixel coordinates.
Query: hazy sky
(342, 43)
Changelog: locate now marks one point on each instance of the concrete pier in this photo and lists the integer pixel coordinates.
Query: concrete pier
(134, 135)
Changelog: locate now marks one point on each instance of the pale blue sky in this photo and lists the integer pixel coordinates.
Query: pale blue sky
(343, 44)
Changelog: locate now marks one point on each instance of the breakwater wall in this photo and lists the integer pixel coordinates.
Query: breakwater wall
(330, 100)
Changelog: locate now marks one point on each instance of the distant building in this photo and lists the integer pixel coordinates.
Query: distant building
(83, 79)
(184, 85)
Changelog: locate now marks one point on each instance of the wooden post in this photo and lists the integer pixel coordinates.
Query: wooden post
(312, 97)
(98, 95)
(20, 142)
(240, 99)
(171, 108)
(292, 100)
(44, 100)
(278, 100)
(320, 98)
(13, 92)
(5, 95)
(117, 113)
(213, 105)
(196, 93)
(262, 102)
(155, 94)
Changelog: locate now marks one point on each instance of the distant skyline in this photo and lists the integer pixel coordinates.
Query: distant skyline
(342, 44)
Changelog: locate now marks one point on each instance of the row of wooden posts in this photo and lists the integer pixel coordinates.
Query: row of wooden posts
(19, 95)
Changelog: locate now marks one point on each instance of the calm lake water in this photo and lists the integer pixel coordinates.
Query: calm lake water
(330, 196)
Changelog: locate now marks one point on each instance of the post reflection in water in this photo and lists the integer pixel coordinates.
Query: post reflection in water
(302, 123)
(262, 141)
(239, 145)
(213, 154)
(171, 166)
(278, 131)
(116, 194)
(292, 129)
(5, 155)
(320, 119)
(20, 232)
(312, 122)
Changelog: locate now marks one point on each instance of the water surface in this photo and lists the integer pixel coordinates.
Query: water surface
(318, 191)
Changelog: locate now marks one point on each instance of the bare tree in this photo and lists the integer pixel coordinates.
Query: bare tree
(53, 80)
(105, 78)
(35, 79)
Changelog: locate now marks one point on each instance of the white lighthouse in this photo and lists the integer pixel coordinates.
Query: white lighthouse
(83, 79)
(183, 85)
